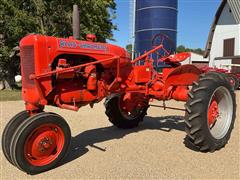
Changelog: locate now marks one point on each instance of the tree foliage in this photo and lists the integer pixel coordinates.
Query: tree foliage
(129, 48)
(182, 48)
(49, 17)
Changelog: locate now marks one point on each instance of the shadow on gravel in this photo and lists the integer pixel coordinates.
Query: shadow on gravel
(91, 137)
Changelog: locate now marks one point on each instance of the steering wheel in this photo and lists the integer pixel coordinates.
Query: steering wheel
(167, 45)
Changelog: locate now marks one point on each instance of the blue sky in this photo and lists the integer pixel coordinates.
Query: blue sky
(194, 20)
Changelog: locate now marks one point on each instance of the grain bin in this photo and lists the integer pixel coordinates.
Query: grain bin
(153, 17)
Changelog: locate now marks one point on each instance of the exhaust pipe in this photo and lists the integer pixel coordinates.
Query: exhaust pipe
(76, 22)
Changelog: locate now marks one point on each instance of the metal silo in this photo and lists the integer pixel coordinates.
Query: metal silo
(153, 17)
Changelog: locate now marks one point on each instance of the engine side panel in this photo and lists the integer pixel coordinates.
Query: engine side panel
(40, 54)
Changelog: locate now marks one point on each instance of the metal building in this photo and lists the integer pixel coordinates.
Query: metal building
(223, 45)
(153, 17)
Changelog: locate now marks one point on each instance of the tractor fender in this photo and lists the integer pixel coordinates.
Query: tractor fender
(183, 75)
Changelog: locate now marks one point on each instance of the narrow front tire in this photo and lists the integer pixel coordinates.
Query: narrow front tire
(9, 130)
(40, 143)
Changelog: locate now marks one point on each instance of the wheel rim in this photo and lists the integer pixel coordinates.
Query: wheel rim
(131, 107)
(220, 111)
(44, 144)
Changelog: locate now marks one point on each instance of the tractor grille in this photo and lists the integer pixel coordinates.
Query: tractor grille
(28, 65)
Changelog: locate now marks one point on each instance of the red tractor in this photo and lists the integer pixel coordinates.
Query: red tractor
(234, 78)
(69, 74)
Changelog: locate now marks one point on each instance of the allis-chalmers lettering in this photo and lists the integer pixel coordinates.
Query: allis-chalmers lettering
(73, 44)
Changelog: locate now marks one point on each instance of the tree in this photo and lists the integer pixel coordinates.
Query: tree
(182, 48)
(199, 51)
(49, 17)
(129, 48)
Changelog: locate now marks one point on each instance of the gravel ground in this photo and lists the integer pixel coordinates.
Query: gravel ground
(155, 149)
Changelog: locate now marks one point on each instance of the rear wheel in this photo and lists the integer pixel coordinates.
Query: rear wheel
(40, 143)
(127, 110)
(210, 112)
(9, 130)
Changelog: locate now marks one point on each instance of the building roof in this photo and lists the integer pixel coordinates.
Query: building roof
(235, 6)
(195, 57)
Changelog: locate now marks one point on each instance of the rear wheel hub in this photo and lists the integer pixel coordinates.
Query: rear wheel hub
(213, 113)
(131, 105)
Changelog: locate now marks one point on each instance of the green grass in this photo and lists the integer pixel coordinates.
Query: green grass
(8, 95)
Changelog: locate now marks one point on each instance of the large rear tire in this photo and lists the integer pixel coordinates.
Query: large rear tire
(9, 130)
(40, 143)
(118, 114)
(210, 112)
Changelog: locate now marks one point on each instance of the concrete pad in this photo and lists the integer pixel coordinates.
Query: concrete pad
(155, 149)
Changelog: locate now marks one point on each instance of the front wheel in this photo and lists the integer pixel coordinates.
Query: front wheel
(40, 143)
(127, 110)
(210, 112)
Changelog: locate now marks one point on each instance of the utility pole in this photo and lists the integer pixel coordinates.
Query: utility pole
(76, 22)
